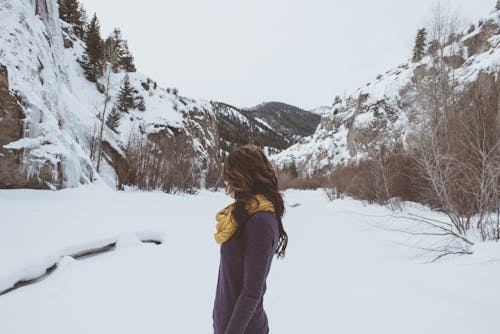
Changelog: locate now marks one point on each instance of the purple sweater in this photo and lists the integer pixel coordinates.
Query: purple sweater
(238, 301)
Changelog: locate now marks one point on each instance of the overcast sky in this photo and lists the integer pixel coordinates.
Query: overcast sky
(302, 52)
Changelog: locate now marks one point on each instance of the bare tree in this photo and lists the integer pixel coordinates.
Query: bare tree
(458, 157)
(111, 58)
(478, 142)
(439, 86)
(445, 25)
(92, 141)
(456, 148)
(437, 169)
(167, 164)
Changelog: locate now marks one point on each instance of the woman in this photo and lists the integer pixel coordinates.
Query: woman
(250, 232)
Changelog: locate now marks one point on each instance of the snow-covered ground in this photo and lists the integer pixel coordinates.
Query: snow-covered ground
(341, 274)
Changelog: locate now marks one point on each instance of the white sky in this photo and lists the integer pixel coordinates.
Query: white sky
(302, 52)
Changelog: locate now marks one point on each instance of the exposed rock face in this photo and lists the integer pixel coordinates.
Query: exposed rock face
(479, 43)
(488, 93)
(454, 61)
(498, 102)
(204, 140)
(11, 129)
(12, 170)
(4, 79)
(118, 162)
(370, 128)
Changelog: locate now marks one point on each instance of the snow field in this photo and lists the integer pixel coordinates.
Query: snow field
(342, 273)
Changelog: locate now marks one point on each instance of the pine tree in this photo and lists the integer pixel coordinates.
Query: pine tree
(113, 120)
(420, 44)
(127, 60)
(126, 95)
(72, 12)
(63, 10)
(139, 102)
(497, 7)
(92, 60)
(80, 22)
(114, 41)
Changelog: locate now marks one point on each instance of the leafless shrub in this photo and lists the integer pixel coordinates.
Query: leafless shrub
(289, 178)
(167, 166)
(459, 158)
(380, 179)
(92, 142)
(434, 237)
(456, 150)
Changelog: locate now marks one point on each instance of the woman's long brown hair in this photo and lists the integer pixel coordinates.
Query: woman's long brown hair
(248, 172)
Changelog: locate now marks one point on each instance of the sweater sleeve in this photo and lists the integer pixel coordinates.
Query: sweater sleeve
(259, 250)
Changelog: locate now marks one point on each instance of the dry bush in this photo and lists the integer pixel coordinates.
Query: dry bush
(213, 176)
(458, 155)
(167, 167)
(456, 151)
(382, 177)
(289, 178)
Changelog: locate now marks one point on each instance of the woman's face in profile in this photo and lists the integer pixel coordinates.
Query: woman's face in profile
(228, 189)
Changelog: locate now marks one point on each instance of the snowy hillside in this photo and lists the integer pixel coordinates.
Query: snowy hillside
(321, 110)
(294, 123)
(236, 127)
(340, 267)
(57, 108)
(384, 112)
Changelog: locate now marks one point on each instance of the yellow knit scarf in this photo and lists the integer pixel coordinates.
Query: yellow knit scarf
(226, 225)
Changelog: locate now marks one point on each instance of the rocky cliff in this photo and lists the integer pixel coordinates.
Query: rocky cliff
(50, 114)
(387, 111)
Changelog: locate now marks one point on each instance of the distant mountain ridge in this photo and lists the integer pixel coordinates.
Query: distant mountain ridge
(237, 128)
(274, 125)
(293, 122)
